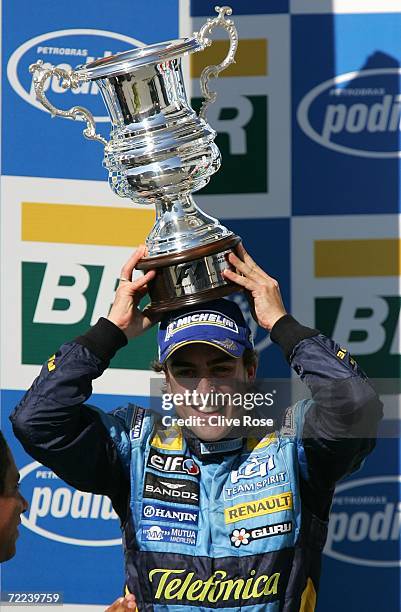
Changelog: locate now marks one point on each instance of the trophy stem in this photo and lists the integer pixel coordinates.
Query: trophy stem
(181, 225)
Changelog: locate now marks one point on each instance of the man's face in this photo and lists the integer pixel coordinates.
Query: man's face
(206, 370)
(12, 505)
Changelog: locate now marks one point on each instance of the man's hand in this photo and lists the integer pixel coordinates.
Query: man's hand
(123, 603)
(263, 291)
(125, 312)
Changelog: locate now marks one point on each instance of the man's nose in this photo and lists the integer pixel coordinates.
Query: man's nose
(205, 385)
(24, 504)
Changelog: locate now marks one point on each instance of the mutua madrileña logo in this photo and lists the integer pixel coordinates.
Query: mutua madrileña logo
(357, 113)
(61, 513)
(66, 49)
(365, 522)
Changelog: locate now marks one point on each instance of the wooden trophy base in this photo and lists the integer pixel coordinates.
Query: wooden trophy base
(191, 277)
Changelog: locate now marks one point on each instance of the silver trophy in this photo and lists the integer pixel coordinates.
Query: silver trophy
(160, 152)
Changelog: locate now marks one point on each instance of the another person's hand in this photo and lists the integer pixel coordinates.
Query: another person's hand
(125, 312)
(263, 291)
(123, 603)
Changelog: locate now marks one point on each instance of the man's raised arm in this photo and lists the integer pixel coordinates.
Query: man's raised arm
(82, 444)
(339, 425)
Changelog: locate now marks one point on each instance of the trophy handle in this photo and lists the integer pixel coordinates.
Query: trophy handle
(213, 71)
(69, 80)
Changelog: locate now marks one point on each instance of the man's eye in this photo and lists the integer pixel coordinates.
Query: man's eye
(187, 373)
(222, 370)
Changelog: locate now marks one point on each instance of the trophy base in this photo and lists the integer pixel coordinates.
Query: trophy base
(191, 277)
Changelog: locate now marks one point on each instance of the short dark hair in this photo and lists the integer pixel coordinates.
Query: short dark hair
(249, 358)
(4, 462)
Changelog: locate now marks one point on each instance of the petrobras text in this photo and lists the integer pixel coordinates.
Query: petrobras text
(355, 114)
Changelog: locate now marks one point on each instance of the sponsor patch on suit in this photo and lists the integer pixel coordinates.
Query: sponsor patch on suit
(244, 536)
(174, 464)
(163, 533)
(176, 490)
(170, 514)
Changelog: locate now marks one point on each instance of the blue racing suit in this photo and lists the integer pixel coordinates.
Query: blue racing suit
(238, 524)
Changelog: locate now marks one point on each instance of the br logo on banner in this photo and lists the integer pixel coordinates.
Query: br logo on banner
(370, 323)
(241, 125)
(60, 302)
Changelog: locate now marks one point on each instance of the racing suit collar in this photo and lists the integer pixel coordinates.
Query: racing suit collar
(212, 451)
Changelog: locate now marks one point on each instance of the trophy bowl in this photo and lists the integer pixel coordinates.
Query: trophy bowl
(160, 152)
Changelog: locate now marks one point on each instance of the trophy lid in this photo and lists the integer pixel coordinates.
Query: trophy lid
(122, 63)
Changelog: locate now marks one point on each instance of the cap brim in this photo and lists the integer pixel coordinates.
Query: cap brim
(236, 354)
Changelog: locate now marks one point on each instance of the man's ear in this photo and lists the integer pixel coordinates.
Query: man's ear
(167, 379)
(251, 373)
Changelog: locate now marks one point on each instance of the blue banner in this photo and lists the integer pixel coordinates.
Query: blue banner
(346, 114)
(67, 37)
(363, 544)
(250, 7)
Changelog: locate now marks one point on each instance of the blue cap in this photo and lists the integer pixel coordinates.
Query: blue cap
(219, 323)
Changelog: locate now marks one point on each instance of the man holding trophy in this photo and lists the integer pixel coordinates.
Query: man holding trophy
(211, 517)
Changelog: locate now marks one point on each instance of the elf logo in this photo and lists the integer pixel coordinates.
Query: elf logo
(65, 49)
(172, 463)
(355, 114)
(58, 512)
(365, 522)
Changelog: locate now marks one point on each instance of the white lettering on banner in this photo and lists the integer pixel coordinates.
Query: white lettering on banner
(80, 505)
(52, 290)
(51, 510)
(90, 87)
(62, 502)
(379, 526)
(362, 116)
(380, 117)
(47, 474)
(106, 292)
(372, 325)
(61, 51)
(395, 348)
(34, 45)
(357, 534)
(235, 126)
